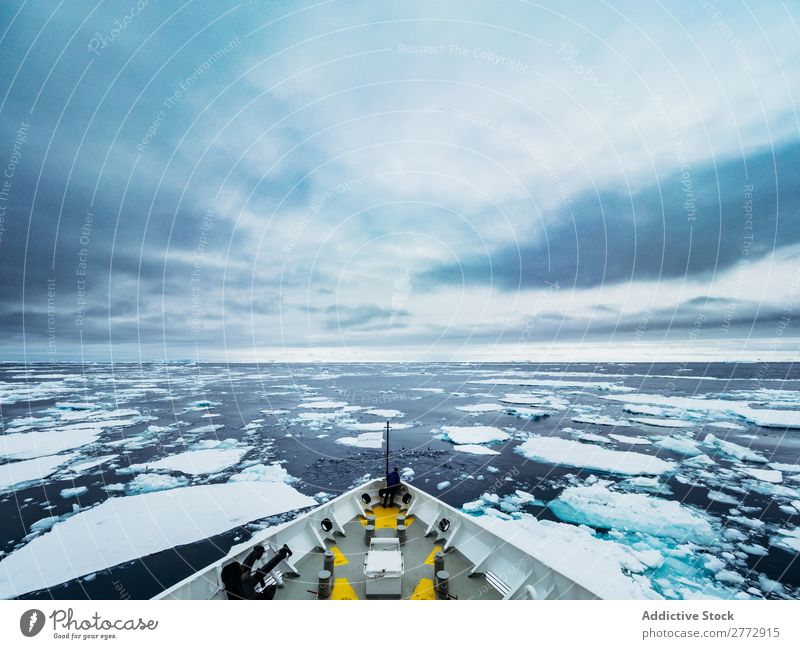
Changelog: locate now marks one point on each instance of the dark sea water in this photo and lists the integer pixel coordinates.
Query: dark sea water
(173, 399)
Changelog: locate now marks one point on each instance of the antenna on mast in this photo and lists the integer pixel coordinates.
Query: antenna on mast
(387, 450)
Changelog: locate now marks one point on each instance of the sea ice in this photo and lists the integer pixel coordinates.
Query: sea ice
(786, 539)
(127, 528)
(375, 426)
(734, 450)
(475, 449)
(625, 439)
(597, 506)
(15, 475)
(84, 465)
(766, 475)
(264, 473)
(147, 483)
(600, 420)
(663, 423)
(554, 450)
(386, 413)
(680, 445)
(527, 413)
(207, 429)
(364, 440)
(474, 434)
(609, 569)
(478, 408)
(326, 405)
(701, 409)
(197, 462)
(73, 492)
(592, 437)
(721, 497)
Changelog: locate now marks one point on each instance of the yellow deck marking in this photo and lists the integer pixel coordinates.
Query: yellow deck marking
(343, 590)
(424, 590)
(429, 560)
(338, 558)
(386, 517)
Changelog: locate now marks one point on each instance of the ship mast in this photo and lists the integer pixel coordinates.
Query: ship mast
(387, 450)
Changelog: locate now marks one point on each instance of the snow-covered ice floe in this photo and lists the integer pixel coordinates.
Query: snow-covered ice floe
(610, 569)
(386, 413)
(681, 445)
(474, 434)
(364, 440)
(527, 413)
(127, 528)
(551, 383)
(478, 408)
(734, 450)
(374, 426)
(598, 506)
(554, 450)
(663, 423)
(16, 475)
(694, 408)
(601, 420)
(475, 449)
(199, 462)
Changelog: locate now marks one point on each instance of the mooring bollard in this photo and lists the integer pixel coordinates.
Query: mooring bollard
(438, 562)
(442, 584)
(401, 534)
(369, 533)
(401, 520)
(324, 584)
(327, 561)
(371, 519)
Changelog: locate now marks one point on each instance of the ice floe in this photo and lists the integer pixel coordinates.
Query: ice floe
(264, 473)
(84, 464)
(127, 528)
(323, 404)
(554, 450)
(474, 434)
(611, 570)
(364, 440)
(147, 483)
(599, 507)
(700, 409)
(663, 423)
(680, 445)
(549, 401)
(600, 420)
(211, 428)
(787, 539)
(478, 408)
(386, 413)
(73, 492)
(527, 413)
(375, 426)
(198, 462)
(475, 449)
(625, 439)
(550, 383)
(734, 450)
(766, 475)
(16, 475)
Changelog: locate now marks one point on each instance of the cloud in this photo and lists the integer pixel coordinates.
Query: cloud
(277, 191)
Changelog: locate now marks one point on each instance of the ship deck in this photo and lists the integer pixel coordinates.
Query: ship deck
(418, 574)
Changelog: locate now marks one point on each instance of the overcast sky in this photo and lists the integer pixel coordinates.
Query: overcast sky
(399, 180)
